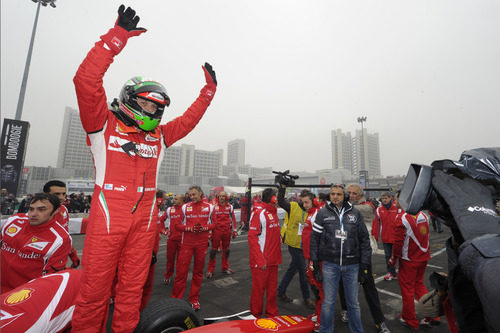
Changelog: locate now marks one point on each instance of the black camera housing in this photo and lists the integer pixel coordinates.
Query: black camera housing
(284, 178)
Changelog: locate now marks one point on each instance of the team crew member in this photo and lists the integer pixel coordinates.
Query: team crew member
(173, 218)
(357, 198)
(411, 247)
(340, 241)
(225, 227)
(291, 233)
(383, 228)
(127, 144)
(34, 244)
(265, 255)
(310, 202)
(195, 227)
(58, 188)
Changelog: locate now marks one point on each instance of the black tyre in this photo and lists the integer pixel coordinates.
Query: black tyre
(168, 315)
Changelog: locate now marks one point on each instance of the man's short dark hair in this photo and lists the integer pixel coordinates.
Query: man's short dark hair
(49, 197)
(307, 193)
(50, 183)
(267, 194)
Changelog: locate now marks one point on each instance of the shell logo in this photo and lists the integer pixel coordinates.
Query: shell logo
(19, 296)
(267, 324)
(11, 230)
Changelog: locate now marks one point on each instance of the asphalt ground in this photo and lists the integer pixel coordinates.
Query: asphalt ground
(228, 294)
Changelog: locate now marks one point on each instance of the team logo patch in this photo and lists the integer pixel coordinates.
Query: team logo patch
(141, 149)
(351, 218)
(270, 216)
(189, 209)
(108, 186)
(267, 324)
(13, 230)
(423, 230)
(36, 243)
(19, 296)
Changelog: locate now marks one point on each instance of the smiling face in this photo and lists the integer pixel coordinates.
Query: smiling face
(195, 195)
(40, 212)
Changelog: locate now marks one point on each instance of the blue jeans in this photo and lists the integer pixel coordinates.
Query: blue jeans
(388, 254)
(298, 264)
(331, 276)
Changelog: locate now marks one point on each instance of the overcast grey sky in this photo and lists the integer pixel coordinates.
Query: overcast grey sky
(425, 73)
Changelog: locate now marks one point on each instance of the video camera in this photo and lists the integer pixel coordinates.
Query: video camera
(464, 195)
(284, 178)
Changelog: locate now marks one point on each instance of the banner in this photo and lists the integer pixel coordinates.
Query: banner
(14, 141)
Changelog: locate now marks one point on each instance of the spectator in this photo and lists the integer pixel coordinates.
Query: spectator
(9, 204)
(127, 143)
(25, 204)
(265, 255)
(340, 241)
(383, 228)
(196, 224)
(33, 244)
(291, 233)
(224, 229)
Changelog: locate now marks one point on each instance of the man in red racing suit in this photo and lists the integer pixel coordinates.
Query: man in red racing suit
(33, 244)
(411, 247)
(195, 229)
(127, 144)
(224, 229)
(264, 241)
(173, 218)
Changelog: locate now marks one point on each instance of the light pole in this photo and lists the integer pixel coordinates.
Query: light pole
(20, 101)
(362, 120)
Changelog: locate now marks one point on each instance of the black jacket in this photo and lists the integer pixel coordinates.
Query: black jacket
(356, 247)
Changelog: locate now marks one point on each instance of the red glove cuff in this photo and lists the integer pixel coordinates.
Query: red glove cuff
(116, 38)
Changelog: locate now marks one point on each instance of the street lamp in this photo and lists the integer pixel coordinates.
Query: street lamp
(362, 146)
(20, 101)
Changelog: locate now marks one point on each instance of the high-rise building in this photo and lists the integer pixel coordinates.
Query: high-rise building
(73, 150)
(358, 153)
(236, 152)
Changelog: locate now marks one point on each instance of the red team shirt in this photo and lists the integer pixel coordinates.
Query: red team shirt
(30, 251)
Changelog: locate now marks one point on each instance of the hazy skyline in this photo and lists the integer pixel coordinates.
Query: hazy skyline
(425, 73)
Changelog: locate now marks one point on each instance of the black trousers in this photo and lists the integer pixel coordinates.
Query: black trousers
(371, 296)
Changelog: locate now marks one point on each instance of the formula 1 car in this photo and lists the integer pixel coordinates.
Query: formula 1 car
(46, 304)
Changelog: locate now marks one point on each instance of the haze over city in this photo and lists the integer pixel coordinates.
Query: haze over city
(426, 74)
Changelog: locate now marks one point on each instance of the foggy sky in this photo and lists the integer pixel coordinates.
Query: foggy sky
(426, 74)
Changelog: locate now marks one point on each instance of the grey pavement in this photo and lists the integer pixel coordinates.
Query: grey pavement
(224, 295)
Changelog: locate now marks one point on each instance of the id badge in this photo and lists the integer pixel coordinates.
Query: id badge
(301, 227)
(340, 234)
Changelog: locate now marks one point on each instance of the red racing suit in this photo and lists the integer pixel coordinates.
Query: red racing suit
(173, 218)
(193, 244)
(122, 226)
(62, 217)
(225, 226)
(31, 251)
(264, 241)
(316, 286)
(411, 247)
(383, 223)
(43, 304)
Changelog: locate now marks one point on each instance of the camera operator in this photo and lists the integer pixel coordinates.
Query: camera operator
(462, 195)
(291, 234)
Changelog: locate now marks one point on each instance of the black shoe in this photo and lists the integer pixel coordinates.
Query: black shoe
(285, 298)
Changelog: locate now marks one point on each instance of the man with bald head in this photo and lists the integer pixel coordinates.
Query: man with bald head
(225, 227)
